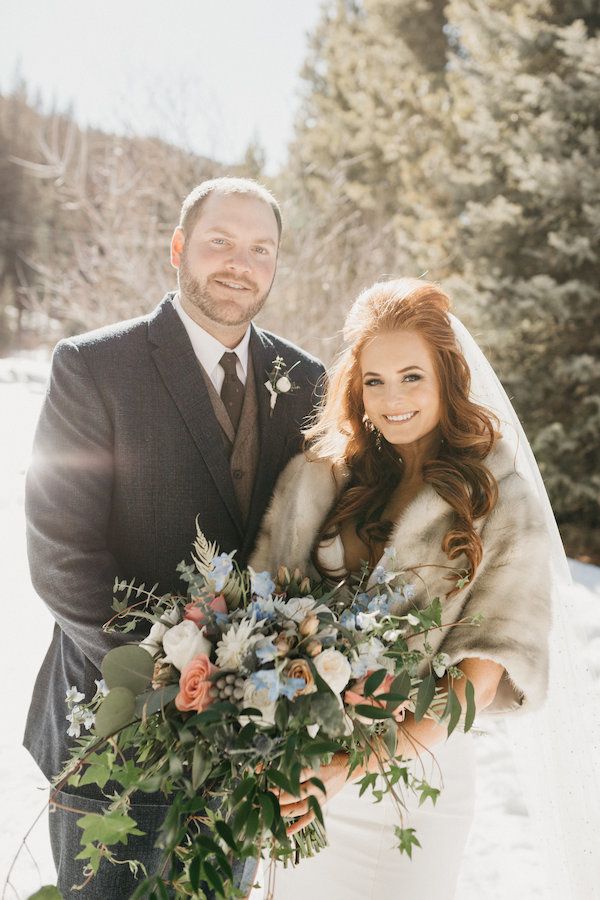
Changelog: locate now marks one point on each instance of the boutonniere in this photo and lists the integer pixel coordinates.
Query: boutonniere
(279, 381)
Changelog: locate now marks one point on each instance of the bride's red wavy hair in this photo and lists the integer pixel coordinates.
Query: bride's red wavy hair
(458, 473)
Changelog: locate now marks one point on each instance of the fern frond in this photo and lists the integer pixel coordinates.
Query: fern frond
(205, 552)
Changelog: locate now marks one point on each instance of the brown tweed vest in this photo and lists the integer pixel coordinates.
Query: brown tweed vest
(242, 447)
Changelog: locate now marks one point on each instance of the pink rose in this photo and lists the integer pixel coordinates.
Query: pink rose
(194, 686)
(195, 613)
(355, 695)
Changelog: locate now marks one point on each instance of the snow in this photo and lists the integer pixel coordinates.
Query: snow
(500, 861)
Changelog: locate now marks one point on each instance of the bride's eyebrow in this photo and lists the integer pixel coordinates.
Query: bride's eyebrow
(399, 372)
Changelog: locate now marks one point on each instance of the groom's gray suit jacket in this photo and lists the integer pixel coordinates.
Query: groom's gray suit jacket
(128, 452)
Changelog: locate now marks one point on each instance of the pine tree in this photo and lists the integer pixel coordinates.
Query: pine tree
(370, 138)
(525, 81)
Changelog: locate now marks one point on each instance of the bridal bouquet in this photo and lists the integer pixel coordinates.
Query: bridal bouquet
(239, 686)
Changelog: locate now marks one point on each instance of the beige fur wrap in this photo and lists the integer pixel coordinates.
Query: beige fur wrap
(510, 589)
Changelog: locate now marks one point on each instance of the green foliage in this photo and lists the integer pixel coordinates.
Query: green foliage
(425, 696)
(107, 828)
(407, 839)
(99, 769)
(527, 200)
(117, 711)
(223, 773)
(128, 666)
(470, 711)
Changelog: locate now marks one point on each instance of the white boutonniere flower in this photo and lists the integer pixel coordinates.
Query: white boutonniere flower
(279, 381)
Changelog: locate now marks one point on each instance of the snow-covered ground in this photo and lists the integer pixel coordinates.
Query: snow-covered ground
(500, 861)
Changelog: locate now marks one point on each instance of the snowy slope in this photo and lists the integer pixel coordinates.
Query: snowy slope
(500, 861)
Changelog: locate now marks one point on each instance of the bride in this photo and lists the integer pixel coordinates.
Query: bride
(402, 456)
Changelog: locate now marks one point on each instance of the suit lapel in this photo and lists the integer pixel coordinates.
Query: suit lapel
(180, 371)
(273, 427)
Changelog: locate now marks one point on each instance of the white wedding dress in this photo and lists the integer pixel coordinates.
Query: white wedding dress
(362, 861)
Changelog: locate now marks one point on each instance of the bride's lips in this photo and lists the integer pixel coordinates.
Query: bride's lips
(401, 417)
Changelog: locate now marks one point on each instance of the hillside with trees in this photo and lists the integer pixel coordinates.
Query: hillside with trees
(457, 140)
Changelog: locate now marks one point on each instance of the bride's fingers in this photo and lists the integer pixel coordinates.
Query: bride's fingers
(291, 810)
(299, 823)
(306, 790)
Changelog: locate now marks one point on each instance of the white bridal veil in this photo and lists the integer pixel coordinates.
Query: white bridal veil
(556, 750)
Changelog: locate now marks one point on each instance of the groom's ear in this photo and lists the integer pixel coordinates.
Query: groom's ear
(177, 245)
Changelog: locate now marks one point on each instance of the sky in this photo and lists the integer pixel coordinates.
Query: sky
(209, 75)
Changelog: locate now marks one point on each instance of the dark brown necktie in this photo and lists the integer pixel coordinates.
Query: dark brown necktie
(232, 392)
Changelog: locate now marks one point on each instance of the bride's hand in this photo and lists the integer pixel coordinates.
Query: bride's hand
(334, 778)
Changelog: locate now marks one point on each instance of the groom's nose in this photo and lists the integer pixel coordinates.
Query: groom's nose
(239, 259)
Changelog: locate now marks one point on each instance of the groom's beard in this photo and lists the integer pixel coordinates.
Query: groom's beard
(223, 312)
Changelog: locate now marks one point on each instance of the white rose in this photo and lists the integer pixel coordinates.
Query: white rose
(183, 642)
(334, 669)
(258, 698)
(283, 384)
(153, 642)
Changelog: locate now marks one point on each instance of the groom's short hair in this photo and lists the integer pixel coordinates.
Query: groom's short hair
(192, 204)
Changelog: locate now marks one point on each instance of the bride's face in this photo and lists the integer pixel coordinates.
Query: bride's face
(401, 393)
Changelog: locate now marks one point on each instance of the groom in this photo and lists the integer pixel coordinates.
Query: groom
(147, 425)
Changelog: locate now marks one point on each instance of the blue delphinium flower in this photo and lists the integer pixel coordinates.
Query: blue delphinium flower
(382, 575)
(361, 602)
(348, 620)
(267, 680)
(261, 584)
(276, 685)
(264, 649)
(379, 604)
(263, 608)
(409, 591)
(220, 569)
(289, 687)
(369, 656)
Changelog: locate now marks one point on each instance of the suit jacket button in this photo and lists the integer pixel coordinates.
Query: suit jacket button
(237, 473)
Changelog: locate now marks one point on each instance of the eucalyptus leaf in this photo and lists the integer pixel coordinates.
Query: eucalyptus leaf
(252, 824)
(471, 710)
(194, 872)
(269, 806)
(390, 738)
(152, 701)
(401, 684)
(243, 789)
(320, 747)
(453, 709)
(374, 680)
(201, 766)
(226, 834)
(372, 712)
(116, 711)
(129, 666)
(425, 695)
(314, 804)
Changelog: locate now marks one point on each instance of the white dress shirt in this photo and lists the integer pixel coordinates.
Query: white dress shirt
(209, 350)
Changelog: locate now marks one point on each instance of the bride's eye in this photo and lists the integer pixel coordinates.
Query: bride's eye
(371, 382)
(413, 377)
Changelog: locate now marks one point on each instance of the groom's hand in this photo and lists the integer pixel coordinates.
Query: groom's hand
(333, 776)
